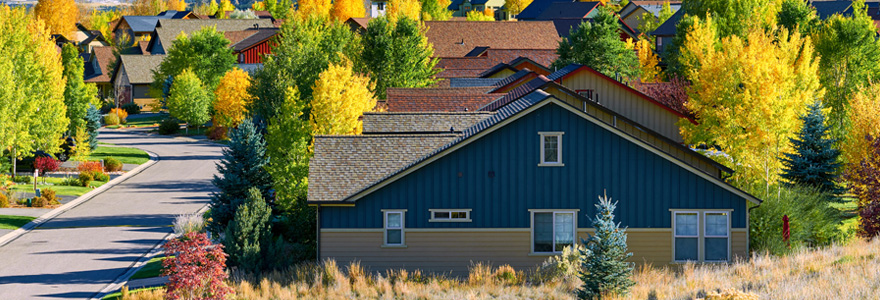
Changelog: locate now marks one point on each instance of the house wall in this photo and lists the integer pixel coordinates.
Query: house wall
(142, 97)
(255, 54)
(454, 252)
(497, 176)
(122, 87)
(502, 74)
(627, 103)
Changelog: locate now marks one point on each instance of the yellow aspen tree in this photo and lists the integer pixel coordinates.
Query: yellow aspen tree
(647, 60)
(747, 95)
(514, 7)
(60, 16)
(339, 98)
(865, 120)
(313, 8)
(344, 9)
(178, 5)
(232, 98)
(400, 8)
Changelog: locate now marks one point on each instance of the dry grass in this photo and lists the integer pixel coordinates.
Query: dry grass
(839, 272)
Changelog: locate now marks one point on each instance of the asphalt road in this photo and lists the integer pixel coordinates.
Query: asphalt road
(78, 253)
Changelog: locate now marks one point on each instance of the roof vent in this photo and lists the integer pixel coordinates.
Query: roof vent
(451, 129)
(461, 43)
(256, 26)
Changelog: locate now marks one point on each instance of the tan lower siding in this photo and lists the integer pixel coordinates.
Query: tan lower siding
(454, 252)
(739, 244)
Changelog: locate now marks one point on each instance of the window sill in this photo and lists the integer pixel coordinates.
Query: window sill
(449, 221)
(551, 165)
(544, 253)
(394, 246)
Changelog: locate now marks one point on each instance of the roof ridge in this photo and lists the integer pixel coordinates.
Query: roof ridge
(394, 135)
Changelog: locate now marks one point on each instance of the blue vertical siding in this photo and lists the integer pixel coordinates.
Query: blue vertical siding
(596, 160)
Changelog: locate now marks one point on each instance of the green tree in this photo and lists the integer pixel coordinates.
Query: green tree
(436, 10)
(206, 53)
(850, 56)
(76, 94)
(604, 267)
(93, 123)
(597, 44)
(648, 22)
(815, 160)
(306, 49)
(796, 15)
(241, 168)
(248, 233)
(189, 101)
(32, 111)
(398, 55)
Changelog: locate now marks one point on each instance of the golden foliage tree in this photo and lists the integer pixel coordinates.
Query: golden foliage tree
(313, 8)
(514, 7)
(485, 15)
(865, 119)
(399, 8)
(339, 98)
(147, 7)
(344, 9)
(747, 95)
(60, 16)
(647, 59)
(232, 98)
(178, 5)
(32, 110)
(225, 5)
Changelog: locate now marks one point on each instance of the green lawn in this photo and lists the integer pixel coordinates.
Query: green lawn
(125, 155)
(57, 187)
(148, 121)
(150, 270)
(14, 222)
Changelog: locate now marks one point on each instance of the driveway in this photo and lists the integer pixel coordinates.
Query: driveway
(79, 252)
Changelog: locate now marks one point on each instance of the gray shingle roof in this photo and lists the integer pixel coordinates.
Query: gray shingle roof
(472, 82)
(168, 30)
(140, 67)
(343, 165)
(421, 122)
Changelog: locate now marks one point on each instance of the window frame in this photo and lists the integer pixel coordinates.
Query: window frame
(433, 218)
(385, 228)
(543, 135)
(701, 234)
(573, 212)
(590, 93)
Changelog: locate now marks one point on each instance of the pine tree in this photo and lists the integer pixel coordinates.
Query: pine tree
(241, 169)
(604, 269)
(93, 123)
(249, 232)
(814, 161)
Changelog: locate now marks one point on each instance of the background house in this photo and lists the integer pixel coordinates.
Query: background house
(132, 78)
(97, 70)
(139, 28)
(633, 11)
(460, 8)
(568, 15)
(166, 31)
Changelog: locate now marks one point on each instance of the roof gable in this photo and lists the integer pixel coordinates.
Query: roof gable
(103, 56)
(139, 68)
(567, 10)
(167, 30)
(668, 27)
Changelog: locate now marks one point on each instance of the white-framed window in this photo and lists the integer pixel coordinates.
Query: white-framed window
(551, 149)
(702, 236)
(450, 215)
(553, 230)
(395, 221)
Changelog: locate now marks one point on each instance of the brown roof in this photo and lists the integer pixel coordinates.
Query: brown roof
(358, 22)
(457, 38)
(438, 91)
(458, 67)
(104, 56)
(448, 103)
(237, 36)
(168, 30)
(421, 122)
(343, 165)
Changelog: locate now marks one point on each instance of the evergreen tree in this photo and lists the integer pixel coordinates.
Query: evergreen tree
(397, 54)
(604, 269)
(249, 232)
(93, 123)
(815, 159)
(241, 169)
(597, 44)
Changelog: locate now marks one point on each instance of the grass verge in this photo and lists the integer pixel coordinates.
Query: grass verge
(146, 122)
(138, 293)
(14, 222)
(150, 270)
(125, 155)
(54, 183)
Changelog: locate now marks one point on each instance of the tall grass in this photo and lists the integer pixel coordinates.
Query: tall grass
(838, 272)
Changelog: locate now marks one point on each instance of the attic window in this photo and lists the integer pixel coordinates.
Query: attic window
(551, 149)
(450, 215)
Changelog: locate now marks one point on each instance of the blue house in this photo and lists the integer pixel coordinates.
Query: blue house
(441, 191)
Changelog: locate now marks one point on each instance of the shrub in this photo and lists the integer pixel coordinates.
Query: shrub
(506, 275)
(563, 267)
(249, 232)
(605, 270)
(112, 165)
(188, 223)
(22, 179)
(111, 119)
(813, 221)
(194, 268)
(50, 196)
(121, 113)
(169, 126)
(86, 166)
(85, 178)
(216, 133)
(46, 164)
(100, 176)
(866, 186)
(71, 181)
(39, 202)
(4, 202)
(107, 106)
(131, 108)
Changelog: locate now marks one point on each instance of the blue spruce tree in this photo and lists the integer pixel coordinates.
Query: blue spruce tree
(604, 269)
(815, 159)
(241, 168)
(93, 123)
(249, 233)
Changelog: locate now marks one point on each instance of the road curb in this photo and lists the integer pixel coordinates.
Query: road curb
(9, 237)
(122, 280)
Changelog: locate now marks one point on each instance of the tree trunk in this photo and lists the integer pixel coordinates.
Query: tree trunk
(13, 163)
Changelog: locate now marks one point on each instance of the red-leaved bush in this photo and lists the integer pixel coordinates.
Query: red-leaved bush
(46, 164)
(90, 166)
(865, 179)
(197, 269)
(672, 93)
